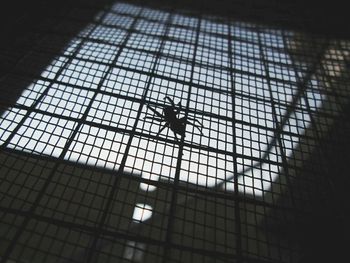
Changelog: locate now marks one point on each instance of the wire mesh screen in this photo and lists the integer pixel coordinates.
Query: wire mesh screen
(165, 135)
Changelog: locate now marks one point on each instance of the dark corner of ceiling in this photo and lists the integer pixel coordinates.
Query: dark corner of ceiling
(328, 18)
(323, 17)
(314, 16)
(24, 24)
(21, 22)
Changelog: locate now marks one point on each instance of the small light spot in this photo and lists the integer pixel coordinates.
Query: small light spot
(142, 212)
(147, 187)
(134, 251)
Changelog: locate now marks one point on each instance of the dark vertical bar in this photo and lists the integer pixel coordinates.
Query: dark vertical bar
(173, 201)
(235, 171)
(97, 233)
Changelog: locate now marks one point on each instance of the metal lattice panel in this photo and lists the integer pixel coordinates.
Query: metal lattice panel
(87, 176)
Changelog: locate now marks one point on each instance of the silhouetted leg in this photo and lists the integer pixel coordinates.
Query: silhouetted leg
(154, 111)
(179, 109)
(170, 100)
(195, 120)
(164, 126)
(184, 120)
(194, 125)
(177, 139)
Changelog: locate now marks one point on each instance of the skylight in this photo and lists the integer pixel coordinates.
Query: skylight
(235, 78)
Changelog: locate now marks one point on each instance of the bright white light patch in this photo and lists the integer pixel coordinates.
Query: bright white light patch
(142, 212)
(147, 187)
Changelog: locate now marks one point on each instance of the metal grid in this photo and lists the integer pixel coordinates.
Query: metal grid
(86, 177)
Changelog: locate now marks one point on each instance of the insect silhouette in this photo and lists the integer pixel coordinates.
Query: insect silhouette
(171, 119)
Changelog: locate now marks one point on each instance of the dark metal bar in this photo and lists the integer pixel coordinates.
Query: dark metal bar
(173, 200)
(94, 247)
